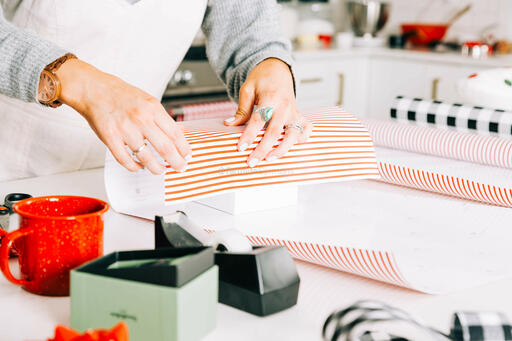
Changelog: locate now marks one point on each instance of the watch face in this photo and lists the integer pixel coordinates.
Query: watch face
(47, 87)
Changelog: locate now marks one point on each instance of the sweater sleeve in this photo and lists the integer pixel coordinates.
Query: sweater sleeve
(22, 58)
(239, 35)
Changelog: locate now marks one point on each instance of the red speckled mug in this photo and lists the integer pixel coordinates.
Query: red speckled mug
(56, 234)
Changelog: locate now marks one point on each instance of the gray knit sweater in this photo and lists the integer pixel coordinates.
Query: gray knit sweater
(240, 34)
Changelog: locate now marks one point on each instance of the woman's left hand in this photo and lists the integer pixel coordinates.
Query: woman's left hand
(269, 84)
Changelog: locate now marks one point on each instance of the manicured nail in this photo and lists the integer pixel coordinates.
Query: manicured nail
(183, 169)
(243, 147)
(271, 158)
(252, 162)
(188, 157)
(230, 120)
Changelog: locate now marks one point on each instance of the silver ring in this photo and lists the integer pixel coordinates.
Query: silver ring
(264, 112)
(297, 126)
(141, 148)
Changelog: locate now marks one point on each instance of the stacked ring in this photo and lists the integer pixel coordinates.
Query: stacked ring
(294, 125)
(138, 150)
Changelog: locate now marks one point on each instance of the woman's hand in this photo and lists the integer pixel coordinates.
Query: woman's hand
(269, 84)
(121, 114)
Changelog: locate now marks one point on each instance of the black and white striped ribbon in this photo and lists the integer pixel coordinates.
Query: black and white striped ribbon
(473, 119)
(355, 324)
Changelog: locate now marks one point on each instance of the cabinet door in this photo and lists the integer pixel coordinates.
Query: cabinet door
(316, 85)
(336, 81)
(351, 76)
(443, 78)
(393, 77)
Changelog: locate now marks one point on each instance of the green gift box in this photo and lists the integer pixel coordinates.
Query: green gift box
(165, 294)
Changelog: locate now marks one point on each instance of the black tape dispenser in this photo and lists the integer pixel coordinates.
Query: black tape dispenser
(260, 280)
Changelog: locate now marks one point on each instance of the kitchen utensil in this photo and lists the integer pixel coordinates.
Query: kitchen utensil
(427, 33)
(56, 234)
(368, 17)
(458, 15)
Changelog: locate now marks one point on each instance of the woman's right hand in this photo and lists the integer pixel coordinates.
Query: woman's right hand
(121, 114)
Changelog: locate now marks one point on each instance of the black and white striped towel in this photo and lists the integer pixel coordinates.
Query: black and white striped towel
(467, 118)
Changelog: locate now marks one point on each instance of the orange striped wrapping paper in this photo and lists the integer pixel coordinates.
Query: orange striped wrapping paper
(468, 179)
(339, 148)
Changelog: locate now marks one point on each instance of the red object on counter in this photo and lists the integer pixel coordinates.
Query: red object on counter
(118, 333)
(423, 34)
(326, 40)
(56, 234)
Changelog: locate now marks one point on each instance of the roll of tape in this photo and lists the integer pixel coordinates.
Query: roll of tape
(230, 240)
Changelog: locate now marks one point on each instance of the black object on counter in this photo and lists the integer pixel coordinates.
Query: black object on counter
(261, 282)
(397, 41)
(12, 198)
(171, 267)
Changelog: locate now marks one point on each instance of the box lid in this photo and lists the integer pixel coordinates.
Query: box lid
(169, 266)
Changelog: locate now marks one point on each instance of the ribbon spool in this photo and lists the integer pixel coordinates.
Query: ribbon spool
(352, 324)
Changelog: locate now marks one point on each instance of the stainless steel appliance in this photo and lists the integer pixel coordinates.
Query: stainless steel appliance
(367, 18)
(194, 82)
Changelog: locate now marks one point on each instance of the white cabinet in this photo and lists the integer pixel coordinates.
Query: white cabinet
(443, 79)
(316, 85)
(352, 77)
(366, 83)
(390, 77)
(334, 81)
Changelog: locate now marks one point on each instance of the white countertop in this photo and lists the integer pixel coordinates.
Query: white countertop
(418, 55)
(24, 316)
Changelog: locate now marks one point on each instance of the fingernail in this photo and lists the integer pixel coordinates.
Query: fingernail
(188, 157)
(252, 162)
(230, 120)
(183, 169)
(243, 147)
(271, 158)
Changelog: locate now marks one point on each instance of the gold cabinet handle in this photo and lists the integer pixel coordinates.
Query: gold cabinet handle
(310, 80)
(341, 79)
(435, 88)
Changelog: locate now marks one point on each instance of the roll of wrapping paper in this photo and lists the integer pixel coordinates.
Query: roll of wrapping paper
(486, 150)
(490, 185)
(467, 118)
(222, 109)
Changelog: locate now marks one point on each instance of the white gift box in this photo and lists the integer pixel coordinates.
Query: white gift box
(253, 199)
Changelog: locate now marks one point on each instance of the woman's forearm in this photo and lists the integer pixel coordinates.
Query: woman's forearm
(241, 34)
(22, 58)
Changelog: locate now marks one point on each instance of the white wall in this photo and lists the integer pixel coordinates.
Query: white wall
(483, 13)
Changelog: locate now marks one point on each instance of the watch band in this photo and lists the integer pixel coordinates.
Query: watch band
(52, 68)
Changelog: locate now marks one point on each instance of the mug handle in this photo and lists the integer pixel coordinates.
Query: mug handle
(7, 243)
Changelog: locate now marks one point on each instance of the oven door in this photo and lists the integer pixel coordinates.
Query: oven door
(194, 86)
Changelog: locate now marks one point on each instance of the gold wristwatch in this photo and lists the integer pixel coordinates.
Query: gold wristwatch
(49, 89)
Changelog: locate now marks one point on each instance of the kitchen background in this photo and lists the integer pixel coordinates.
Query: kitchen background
(344, 58)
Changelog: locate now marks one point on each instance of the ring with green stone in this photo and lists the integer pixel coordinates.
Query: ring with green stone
(265, 113)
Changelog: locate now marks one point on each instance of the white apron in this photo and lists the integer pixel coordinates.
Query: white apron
(142, 43)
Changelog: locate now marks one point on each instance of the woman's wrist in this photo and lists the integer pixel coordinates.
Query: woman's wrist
(74, 76)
